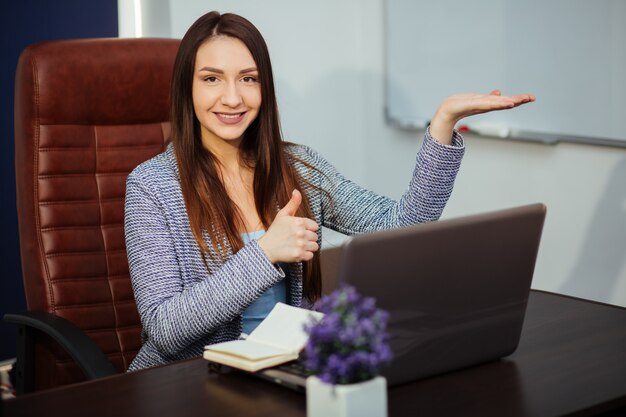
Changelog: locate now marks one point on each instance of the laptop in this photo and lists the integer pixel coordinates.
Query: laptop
(456, 290)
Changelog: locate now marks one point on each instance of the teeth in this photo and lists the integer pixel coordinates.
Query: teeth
(230, 116)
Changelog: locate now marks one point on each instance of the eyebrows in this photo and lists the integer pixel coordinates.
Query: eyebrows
(220, 71)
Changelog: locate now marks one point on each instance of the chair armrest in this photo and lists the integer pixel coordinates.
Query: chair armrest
(76, 343)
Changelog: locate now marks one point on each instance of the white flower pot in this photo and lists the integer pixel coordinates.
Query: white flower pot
(363, 399)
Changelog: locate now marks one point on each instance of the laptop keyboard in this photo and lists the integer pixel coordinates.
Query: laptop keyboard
(294, 368)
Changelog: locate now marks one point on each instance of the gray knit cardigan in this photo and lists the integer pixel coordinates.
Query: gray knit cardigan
(184, 305)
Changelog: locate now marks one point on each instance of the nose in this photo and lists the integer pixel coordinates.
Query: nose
(231, 96)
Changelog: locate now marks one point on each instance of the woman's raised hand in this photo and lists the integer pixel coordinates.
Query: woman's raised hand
(456, 107)
(290, 238)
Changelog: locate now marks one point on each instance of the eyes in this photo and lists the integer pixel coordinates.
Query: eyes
(246, 79)
(249, 79)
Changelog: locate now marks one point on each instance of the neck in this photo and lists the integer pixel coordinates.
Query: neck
(226, 152)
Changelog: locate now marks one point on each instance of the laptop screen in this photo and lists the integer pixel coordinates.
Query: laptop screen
(456, 289)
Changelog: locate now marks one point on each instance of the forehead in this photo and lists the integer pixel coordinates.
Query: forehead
(225, 53)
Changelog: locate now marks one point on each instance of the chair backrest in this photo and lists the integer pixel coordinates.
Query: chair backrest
(86, 113)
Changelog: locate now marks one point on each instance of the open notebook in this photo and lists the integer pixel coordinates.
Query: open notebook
(277, 339)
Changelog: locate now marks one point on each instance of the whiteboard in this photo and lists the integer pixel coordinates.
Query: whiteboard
(570, 53)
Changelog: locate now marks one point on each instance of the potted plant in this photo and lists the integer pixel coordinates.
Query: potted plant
(344, 353)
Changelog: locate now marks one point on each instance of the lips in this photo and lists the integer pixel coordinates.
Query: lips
(230, 118)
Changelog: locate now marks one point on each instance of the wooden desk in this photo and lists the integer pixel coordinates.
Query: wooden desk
(571, 361)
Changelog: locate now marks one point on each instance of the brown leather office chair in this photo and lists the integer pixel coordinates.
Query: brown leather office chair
(86, 113)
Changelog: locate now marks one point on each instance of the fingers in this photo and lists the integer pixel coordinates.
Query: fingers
(309, 224)
(291, 208)
(309, 236)
(522, 99)
(517, 99)
(304, 229)
(526, 98)
(496, 101)
(304, 249)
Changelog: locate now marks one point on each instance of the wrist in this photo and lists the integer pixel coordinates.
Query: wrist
(441, 128)
(444, 118)
(261, 245)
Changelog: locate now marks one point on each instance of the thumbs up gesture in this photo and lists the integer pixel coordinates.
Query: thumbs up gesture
(290, 238)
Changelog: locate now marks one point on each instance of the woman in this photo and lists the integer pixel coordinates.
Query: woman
(225, 223)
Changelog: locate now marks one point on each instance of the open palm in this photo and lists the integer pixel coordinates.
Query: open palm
(459, 106)
(468, 104)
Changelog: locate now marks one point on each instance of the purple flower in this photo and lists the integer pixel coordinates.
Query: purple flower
(350, 343)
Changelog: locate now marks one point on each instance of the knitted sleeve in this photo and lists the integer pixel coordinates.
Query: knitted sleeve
(179, 301)
(350, 209)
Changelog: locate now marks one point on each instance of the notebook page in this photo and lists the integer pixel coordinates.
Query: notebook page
(283, 327)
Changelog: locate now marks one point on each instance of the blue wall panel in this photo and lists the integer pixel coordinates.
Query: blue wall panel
(23, 22)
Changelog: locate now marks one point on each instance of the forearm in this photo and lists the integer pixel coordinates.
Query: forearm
(175, 316)
(179, 299)
(351, 209)
(433, 179)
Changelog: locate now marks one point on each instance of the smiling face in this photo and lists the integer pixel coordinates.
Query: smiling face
(226, 91)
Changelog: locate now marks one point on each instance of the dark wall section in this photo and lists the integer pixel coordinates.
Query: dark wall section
(23, 22)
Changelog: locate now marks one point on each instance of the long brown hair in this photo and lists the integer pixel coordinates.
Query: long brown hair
(209, 207)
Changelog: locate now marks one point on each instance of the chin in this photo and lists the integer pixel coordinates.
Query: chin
(230, 137)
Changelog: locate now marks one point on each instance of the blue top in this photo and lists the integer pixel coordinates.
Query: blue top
(258, 310)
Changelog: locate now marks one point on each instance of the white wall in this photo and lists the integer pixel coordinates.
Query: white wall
(328, 60)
